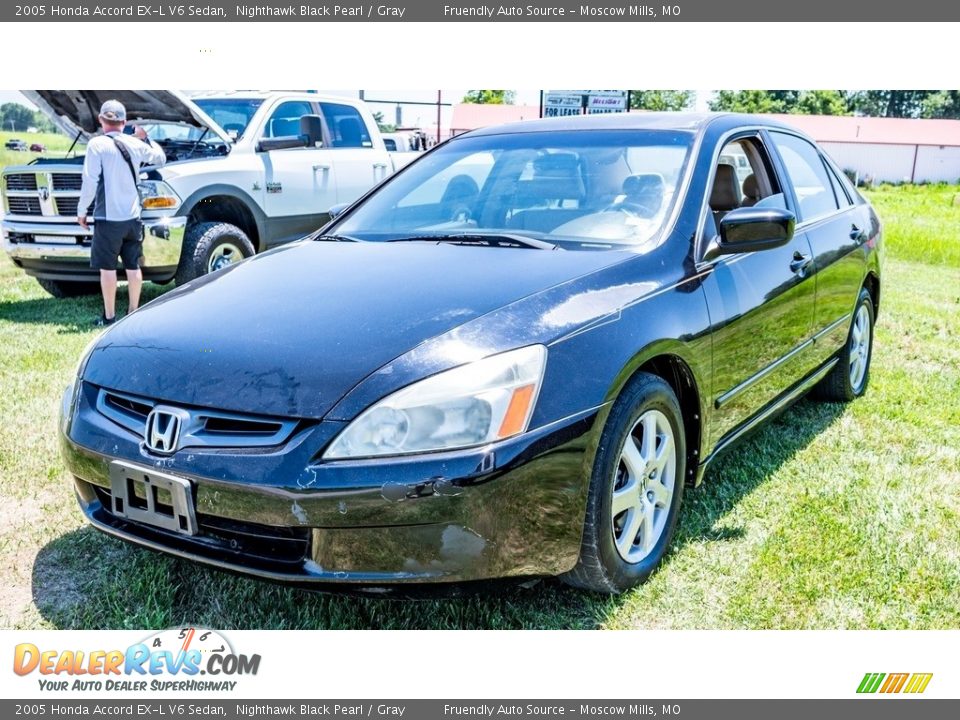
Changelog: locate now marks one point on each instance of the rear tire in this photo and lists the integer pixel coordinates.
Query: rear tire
(849, 377)
(211, 246)
(69, 288)
(635, 490)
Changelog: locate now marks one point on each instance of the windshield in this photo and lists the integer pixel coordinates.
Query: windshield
(232, 114)
(568, 188)
(177, 132)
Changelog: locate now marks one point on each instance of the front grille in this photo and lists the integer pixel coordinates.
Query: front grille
(23, 205)
(277, 544)
(22, 181)
(67, 181)
(206, 428)
(67, 206)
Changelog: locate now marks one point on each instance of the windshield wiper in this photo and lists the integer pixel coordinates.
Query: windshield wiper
(335, 238)
(489, 239)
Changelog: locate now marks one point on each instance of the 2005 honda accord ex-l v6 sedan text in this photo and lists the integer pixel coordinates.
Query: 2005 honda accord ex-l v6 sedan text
(507, 360)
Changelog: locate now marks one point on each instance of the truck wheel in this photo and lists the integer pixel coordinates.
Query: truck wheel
(211, 246)
(69, 288)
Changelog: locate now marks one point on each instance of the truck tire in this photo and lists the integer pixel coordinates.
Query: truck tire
(69, 288)
(211, 246)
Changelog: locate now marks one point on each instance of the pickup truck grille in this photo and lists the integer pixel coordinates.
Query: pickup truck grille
(22, 181)
(47, 194)
(67, 205)
(24, 205)
(66, 181)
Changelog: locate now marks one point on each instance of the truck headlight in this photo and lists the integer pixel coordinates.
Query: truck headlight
(157, 195)
(474, 404)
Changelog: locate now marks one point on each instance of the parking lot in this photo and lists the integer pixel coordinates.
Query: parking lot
(834, 516)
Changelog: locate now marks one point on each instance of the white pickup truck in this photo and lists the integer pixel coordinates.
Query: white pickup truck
(245, 171)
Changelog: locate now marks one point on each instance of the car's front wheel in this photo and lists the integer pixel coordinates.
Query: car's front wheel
(635, 490)
(850, 375)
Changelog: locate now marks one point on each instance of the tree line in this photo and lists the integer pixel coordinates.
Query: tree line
(873, 103)
(18, 118)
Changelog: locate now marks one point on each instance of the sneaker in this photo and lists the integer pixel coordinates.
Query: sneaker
(103, 321)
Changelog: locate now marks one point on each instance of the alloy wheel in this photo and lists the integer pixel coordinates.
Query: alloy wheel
(223, 255)
(859, 347)
(644, 486)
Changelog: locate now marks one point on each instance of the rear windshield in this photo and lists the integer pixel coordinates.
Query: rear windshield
(607, 187)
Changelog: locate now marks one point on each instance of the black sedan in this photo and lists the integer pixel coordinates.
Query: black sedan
(508, 360)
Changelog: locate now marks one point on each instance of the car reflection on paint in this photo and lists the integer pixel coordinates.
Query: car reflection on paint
(508, 360)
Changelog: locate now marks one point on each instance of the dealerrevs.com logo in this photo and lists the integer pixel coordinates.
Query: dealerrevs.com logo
(891, 683)
(170, 660)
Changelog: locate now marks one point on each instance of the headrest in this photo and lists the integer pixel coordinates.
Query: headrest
(725, 195)
(556, 176)
(751, 188)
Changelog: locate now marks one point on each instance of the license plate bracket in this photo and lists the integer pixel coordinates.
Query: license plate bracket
(158, 499)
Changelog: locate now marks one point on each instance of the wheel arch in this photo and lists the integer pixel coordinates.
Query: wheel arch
(667, 360)
(872, 283)
(225, 203)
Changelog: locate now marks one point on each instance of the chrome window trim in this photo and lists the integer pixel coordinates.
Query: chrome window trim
(801, 226)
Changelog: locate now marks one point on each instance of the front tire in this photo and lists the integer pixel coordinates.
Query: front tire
(69, 288)
(849, 377)
(209, 247)
(635, 490)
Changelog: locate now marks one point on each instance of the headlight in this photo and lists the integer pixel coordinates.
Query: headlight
(475, 404)
(157, 195)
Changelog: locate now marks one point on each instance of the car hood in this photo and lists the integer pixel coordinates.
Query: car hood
(76, 112)
(290, 332)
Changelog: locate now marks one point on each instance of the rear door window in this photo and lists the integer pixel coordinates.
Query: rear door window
(806, 171)
(346, 126)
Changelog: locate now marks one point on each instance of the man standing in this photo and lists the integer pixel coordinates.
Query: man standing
(111, 170)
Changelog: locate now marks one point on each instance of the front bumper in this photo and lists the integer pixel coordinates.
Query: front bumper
(61, 250)
(513, 510)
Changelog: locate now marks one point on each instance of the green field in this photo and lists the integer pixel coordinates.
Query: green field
(56, 146)
(832, 517)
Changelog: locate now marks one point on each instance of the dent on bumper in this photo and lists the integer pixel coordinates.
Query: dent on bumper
(369, 525)
(162, 242)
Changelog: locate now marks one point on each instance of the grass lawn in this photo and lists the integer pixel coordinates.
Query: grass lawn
(56, 146)
(832, 517)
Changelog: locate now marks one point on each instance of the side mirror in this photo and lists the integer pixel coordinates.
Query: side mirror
(337, 210)
(311, 128)
(749, 229)
(311, 133)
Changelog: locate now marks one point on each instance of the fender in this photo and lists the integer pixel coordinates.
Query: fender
(207, 191)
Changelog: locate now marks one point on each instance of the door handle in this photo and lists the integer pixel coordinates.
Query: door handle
(857, 234)
(800, 262)
(321, 166)
(380, 166)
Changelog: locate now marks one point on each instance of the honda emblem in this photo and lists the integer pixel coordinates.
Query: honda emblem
(162, 432)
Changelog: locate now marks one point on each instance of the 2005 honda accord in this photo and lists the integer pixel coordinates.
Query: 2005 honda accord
(508, 360)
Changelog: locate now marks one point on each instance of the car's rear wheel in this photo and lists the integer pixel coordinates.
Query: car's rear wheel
(635, 490)
(209, 247)
(850, 375)
(69, 288)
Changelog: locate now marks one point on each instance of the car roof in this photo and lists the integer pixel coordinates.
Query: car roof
(681, 121)
(269, 94)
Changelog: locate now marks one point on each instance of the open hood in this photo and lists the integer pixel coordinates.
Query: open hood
(76, 111)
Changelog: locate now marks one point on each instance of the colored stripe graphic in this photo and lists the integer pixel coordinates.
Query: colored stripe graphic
(918, 682)
(894, 683)
(870, 682)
